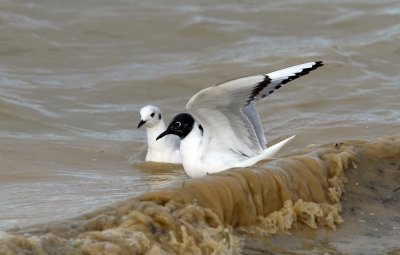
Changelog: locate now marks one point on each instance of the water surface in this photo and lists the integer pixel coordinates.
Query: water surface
(73, 76)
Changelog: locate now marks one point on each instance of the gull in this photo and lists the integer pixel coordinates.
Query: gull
(217, 134)
(164, 150)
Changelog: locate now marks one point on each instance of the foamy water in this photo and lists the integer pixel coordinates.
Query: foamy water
(74, 75)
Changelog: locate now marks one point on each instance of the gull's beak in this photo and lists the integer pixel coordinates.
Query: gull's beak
(166, 132)
(141, 123)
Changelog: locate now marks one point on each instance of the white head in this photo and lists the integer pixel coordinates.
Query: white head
(150, 115)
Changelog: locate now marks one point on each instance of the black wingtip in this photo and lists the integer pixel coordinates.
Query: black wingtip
(267, 80)
(318, 64)
(303, 72)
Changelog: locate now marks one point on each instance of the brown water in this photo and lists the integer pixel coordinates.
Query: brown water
(74, 74)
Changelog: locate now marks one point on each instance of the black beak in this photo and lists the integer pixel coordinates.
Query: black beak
(166, 132)
(141, 123)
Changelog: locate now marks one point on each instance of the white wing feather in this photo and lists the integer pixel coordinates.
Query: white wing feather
(219, 109)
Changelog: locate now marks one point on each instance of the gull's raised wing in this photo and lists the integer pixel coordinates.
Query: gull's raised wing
(219, 109)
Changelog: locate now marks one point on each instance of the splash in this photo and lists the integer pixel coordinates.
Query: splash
(211, 214)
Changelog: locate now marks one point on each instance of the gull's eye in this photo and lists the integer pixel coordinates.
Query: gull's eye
(177, 124)
(152, 115)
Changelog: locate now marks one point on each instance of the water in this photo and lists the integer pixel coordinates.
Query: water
(74, 74)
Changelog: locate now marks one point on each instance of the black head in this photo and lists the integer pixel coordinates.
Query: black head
(180, 125)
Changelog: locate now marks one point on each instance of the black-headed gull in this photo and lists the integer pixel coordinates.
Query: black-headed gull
(218, 135)
(165, 150)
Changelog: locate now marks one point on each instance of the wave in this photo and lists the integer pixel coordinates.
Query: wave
(310, 188)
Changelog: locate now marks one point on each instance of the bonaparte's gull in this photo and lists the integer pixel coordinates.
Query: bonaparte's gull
(217, 135)
(164, 150)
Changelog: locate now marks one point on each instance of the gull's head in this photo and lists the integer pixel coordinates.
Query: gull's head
(150, 115)
(180, 125)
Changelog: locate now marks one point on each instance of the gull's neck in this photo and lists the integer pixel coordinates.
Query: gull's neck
(165, 149)
(153, 132)
(190, 151)
(193, 139)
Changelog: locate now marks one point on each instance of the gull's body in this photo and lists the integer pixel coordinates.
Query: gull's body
(218, 134)
(165, 150)
(198, 162)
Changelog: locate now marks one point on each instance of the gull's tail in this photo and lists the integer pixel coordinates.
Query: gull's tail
(269, 152)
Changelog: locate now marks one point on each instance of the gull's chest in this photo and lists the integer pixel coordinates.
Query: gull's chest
(199, 159)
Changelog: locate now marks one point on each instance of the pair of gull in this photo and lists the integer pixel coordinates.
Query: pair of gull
(223, 129)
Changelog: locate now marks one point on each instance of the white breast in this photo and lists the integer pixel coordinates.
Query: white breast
(166, 149)
(199, 159)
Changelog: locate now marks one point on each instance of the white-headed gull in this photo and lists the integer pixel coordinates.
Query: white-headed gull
(217, 134)
(164, 150)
